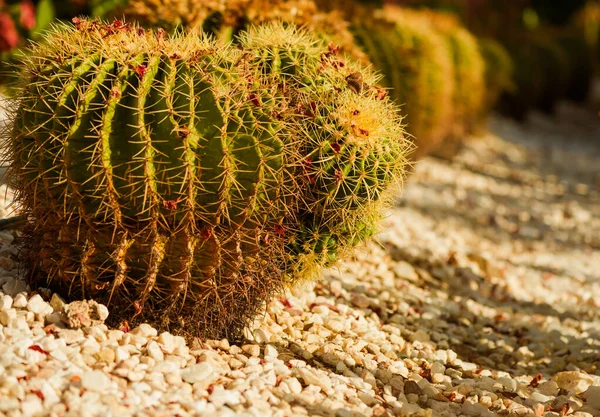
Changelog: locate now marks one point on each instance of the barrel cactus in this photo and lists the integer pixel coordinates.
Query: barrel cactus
(226, 19)
(416, 62)
(186, 183)
(499, 73)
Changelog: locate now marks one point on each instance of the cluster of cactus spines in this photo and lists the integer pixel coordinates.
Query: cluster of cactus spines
(419, 84)
(226, 19)
(186, 183)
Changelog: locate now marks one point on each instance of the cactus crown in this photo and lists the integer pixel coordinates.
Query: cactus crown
(187, 183)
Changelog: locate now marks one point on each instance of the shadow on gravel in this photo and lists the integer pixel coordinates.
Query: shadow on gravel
(494, 342)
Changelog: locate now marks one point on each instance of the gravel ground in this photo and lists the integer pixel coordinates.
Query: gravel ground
(480, 299)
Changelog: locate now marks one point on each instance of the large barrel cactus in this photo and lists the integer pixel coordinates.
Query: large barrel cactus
(186, 183)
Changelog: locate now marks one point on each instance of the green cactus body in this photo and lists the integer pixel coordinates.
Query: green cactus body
(170, 177)
(416, 63)
(469, 78)
(553, 62)
(581, 64)
(499, 73)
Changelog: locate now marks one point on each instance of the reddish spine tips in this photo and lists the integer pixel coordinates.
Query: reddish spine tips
(355, 113)
(336, 147)
(160, 33)
(381, 93)
(206, 234)
(339, 176)
(183, 133)
(140, 70)
(115, 92)
(140, 31)
(254, 99)
(175, 56)
(363, 132)
(171, 204)
(279, 230)
(333, 49)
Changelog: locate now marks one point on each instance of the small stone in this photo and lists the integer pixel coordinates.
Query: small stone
(539, 397)
(221, 397)
(57, 302)
(420, 336)
(549, 388)
(261, 336)
(411, 387)
(8, 316)
(6, 302)
(270, 352)
(14, 287)
(20, 301)
(592, 397)
(95, 381)
(252, 350)
(7, 263)
(144, 330)
(36, 304)
(294, 385)
(508, 383)
(106, 355)
(154, 351)
(83, 314)
(442, 355)
(197, 373)
(437, 378)
(437, 368)
(360, 301)
(573, 381)
(405, 270)
(167, 341)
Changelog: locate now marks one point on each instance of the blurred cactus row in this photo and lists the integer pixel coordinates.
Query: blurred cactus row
(445, 77)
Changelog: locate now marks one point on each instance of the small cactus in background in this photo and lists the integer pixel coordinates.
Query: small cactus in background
(226, 19)
(554, 69)
(581, 64)
(499, 73)
(529, 85)
(416, 62)
(186, 183)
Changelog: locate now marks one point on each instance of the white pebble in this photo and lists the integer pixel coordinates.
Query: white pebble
(154, 351)
(96, 381)
(36, 304)
(197, 373)
(20, 301)
(6, 302)
(144, 330)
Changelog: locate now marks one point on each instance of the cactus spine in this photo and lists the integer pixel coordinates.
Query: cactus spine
(187, 183)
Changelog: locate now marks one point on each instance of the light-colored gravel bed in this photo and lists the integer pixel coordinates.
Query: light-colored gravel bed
(480, 298)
